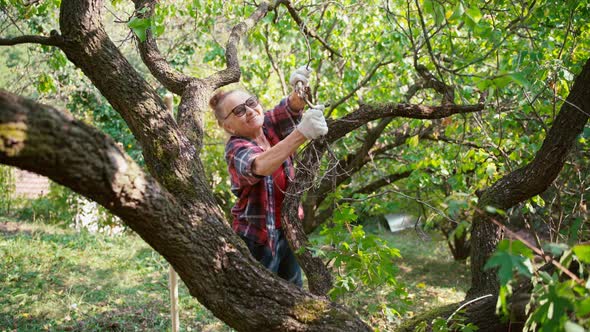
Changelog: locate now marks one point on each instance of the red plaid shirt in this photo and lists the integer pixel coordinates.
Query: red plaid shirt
(259, 199)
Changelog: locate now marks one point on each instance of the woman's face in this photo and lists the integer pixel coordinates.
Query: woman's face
(246, 124)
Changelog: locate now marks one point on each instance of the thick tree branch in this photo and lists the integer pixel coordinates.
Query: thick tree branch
(173, 80)
(53, 40)
(319, 278)
(43, 140)
(446, 91)
(211, 260)
(369, 112)
(169, 154)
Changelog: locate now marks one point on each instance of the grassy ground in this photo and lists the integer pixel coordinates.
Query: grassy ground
(58, 280)
(427, 269)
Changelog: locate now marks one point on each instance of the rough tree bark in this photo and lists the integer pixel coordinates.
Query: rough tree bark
(174, 211)
(191, 235)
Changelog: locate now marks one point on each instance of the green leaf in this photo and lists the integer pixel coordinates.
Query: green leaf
(503, 262)
(158, 30)
(45, 83)
(507, 262)
(582, 252)
(413, 141)
(139, 27)
(502, 81)
(555, 249)
(520, 79)
(538, 200)
(491, 169)
(216, 52)
(474, 14)
(140, 33)
(583, 307)
(515, 247)
(494, 210)
(457, 13)
(345, 213)
(482, 85)
(137, 22)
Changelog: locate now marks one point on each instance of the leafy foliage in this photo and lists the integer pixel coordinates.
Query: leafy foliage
(359, 259)
(557, 303)
(524, 56)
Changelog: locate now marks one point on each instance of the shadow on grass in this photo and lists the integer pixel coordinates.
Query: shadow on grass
(124, 318)
(437, 273)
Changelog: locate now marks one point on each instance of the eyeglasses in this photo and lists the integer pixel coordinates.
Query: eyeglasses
(240, 110)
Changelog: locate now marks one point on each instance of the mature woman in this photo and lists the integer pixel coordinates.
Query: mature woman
(259, 158)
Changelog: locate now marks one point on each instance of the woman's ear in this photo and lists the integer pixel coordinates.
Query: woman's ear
(228, 128)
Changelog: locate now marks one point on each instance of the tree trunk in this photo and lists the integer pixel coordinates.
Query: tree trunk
(174, 211)
(527, 182)
(211, 260)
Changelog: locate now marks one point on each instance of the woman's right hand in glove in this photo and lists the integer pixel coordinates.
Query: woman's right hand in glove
(313, 124)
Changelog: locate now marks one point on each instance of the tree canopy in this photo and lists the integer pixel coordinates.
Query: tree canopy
(464, 113)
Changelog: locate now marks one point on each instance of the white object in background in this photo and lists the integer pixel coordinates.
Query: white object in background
(173, 284)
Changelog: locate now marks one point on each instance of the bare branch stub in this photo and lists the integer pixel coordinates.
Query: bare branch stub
(54, 39)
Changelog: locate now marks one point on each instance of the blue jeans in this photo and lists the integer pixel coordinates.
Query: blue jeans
(283, 263)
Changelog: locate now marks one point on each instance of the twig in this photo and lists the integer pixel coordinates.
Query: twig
(466, 304)
(361, 84)
(438, 211)
(274, 64)
(295, 15)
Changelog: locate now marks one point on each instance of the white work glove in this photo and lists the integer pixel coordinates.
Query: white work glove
(313, 124)
(301, 74)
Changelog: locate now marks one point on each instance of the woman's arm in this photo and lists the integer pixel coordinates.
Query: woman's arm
(270, 160)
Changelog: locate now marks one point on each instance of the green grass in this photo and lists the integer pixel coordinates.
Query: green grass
(53, 279)
(427, 269)
(432, 276)
(57, 280)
